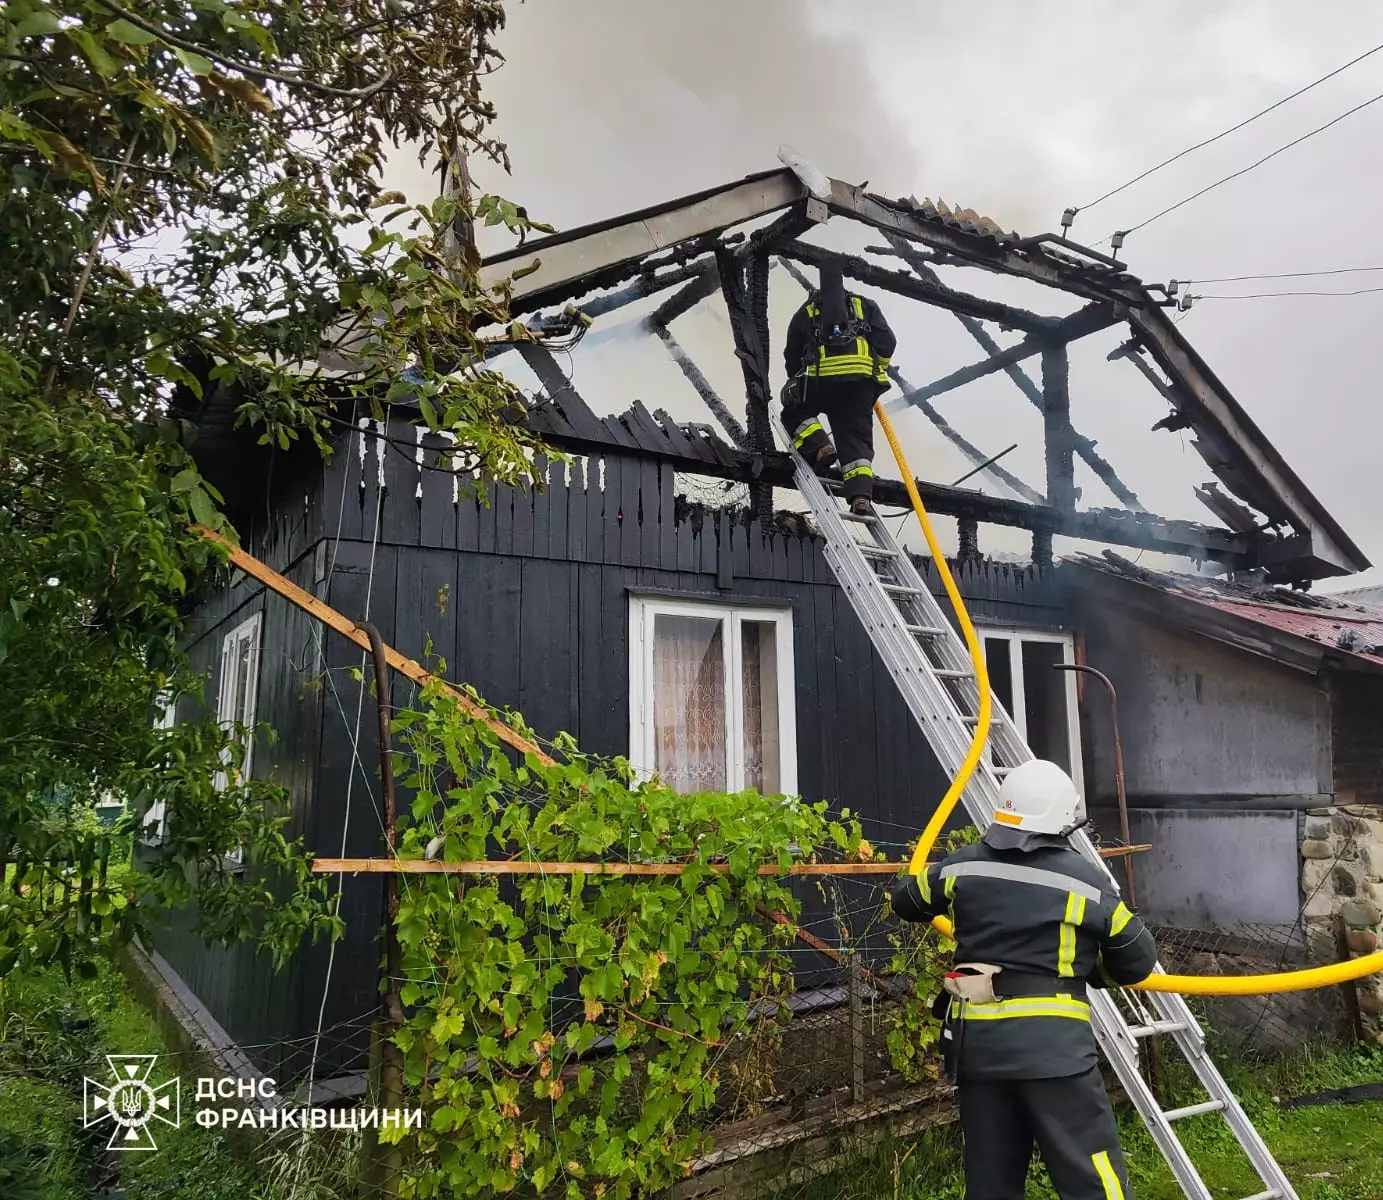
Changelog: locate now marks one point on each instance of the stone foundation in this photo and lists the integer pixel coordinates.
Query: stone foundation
(1342, 891)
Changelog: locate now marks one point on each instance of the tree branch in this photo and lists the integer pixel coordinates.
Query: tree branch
(245, 68)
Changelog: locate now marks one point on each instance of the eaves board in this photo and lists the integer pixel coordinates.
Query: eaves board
(567, 259)
(1215, 409)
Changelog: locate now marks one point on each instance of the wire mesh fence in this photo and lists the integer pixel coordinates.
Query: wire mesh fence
(1262, 1026)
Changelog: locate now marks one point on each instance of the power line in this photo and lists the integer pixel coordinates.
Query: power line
(1271, 295)
(1233, 128)
(1245, 170)
(1286, 275)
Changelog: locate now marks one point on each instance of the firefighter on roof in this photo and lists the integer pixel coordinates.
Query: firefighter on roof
(837, 356)
(1036, 924)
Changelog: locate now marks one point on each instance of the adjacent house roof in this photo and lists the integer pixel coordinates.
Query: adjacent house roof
(1302, 630)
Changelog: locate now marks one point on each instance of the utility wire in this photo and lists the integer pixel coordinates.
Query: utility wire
(1271, 295)
(1245, 170)
(1233, 128)
(1286, 275)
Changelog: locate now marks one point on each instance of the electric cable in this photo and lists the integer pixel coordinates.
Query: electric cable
(1245, 170)
(1285, 275)
(1232, 129)
(1275, 295)
(1188, 985)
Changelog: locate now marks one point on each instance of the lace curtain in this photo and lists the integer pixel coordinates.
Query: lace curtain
(690, 700)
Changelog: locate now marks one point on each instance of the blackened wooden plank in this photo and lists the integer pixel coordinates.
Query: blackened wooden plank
(549, 637)
(438, 515)
(709, 543)
(667, 495)
(589, 655)
(541, 499)
(617, 430)
(631, 535)
(685, 547)
(506, 500)
(356, 458)
(672, 431)
(559, 387)
(525, 520)
(492, 496)
(553, 542)
(467, 514)
(612, 472)
(855, 685)
(740, 533)
(578, 499)
(440, 605)
(650, 512)
(819, 651)
(613, 735)
(646, 429)
(490, 627)
(400, 518)
(597, 499)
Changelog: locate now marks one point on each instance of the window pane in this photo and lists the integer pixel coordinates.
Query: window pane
(1044, 699)
(999, 667)
(244, 660)
(763, 752)
(689, 702)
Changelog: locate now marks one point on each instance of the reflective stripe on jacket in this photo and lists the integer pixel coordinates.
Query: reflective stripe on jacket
(868, 355)
(1053, 920)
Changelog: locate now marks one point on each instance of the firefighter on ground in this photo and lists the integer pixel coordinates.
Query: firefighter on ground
(837, 356)
(1036, 924)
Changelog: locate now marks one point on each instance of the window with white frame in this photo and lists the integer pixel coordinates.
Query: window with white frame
(712, 696)
(153, 828)
(1041, 700)
(238, 691)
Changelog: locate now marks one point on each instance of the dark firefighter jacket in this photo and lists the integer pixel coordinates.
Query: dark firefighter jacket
(1035, 906)
(867, 354)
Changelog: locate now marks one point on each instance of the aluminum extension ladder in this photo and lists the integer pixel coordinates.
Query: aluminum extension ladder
(929, 662)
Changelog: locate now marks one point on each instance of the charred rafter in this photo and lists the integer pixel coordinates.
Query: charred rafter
(905, 283)
(1082, 445)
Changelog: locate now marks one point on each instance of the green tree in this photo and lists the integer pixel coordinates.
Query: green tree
(191, 197)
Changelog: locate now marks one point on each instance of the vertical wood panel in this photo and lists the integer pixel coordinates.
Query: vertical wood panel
(550, 637)
(558, 505)
(596, 500)
(578, 497)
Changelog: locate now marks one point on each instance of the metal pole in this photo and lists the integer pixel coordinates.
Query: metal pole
(1118, 768)
(387, 1165)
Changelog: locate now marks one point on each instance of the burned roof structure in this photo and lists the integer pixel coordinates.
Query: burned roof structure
(727, 239)
(1298, 629)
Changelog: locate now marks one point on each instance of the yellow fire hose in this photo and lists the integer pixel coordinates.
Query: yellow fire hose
(1191, 985)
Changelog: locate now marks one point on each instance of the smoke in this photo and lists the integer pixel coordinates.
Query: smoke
(614, 105)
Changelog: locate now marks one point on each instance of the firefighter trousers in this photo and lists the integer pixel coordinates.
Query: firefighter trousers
(848, 403)
(1069, 1120)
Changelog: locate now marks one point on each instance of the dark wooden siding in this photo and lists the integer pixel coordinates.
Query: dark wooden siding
(526, 598)
(1356, 717)
(239, 986)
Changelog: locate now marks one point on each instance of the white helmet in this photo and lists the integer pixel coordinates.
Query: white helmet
(1038, 797)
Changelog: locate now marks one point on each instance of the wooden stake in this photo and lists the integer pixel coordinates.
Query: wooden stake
(425, 866)
(343, 625)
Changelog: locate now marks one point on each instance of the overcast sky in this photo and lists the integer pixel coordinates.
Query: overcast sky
(1016, 108)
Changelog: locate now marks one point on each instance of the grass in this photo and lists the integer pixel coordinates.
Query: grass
(1329, 1153)
(52, 1034)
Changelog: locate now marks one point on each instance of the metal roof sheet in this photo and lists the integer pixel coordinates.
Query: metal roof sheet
(1344, 628)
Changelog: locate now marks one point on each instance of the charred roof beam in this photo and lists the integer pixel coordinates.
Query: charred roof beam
(905, 283)
(1082, 445)
(1142, 531)
(1090, 319)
